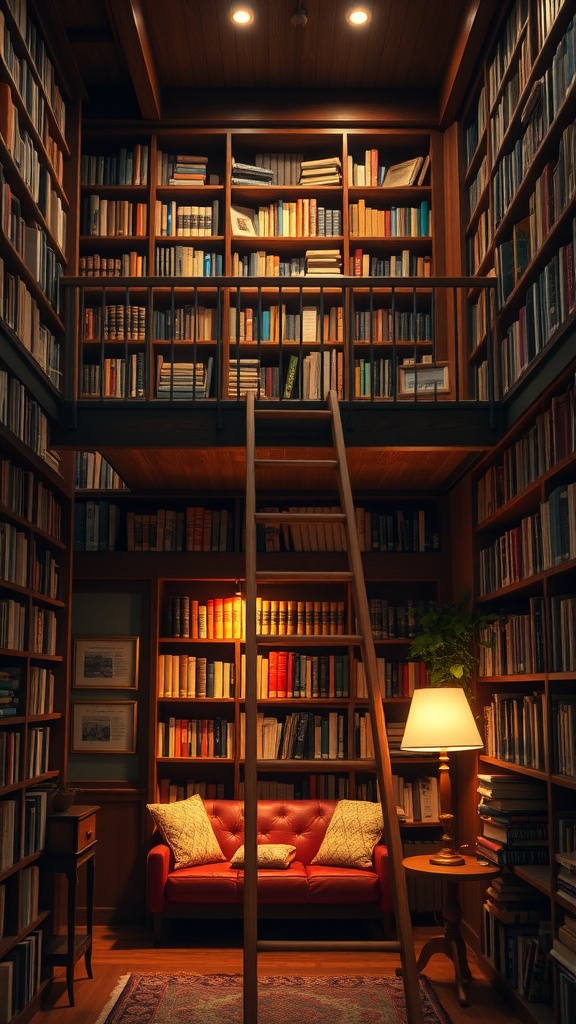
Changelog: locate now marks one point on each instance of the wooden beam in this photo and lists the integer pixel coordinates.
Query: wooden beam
(476, 28)
(129, 26)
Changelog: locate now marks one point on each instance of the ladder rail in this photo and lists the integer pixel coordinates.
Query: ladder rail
(250, 909)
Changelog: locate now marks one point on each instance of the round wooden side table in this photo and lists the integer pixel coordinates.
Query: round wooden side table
(451, 942)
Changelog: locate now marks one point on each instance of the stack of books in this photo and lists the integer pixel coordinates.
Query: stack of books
(243, 376)
(183, 380)
(187, 170)
(324, 171)
(9, 686)
(513, 816)
(566, 879)
(323, 261)
(250, 174)
(564, 946)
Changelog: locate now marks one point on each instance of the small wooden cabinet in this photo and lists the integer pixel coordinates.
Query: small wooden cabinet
(70, 843)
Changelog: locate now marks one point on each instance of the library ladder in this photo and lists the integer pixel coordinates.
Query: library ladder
(354, 576)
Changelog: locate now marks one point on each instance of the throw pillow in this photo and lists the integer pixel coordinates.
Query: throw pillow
(269, 855)
(353, 831)
(186, 828)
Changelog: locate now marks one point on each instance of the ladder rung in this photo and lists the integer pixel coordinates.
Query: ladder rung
(322, 463)
(308, 576)
(293, 414)
(311, 945)
(300, 517)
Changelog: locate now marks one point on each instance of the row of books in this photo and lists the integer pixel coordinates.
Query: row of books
(26, 70)
(185, 323)
(41, 684)
(375, 171)
(10, 749)
(402, 264)
(13, 555)
(114, 322)
(550, 300)
(564, 731)
(505, 47)
(38, 751)
(13, 625)
(128, 264)
(21, 312)
(112, 218)
(33, 245)
(215, 618)
(9, 834)
(283, 218)
(551, 439)
(514, 645)
(187, 675)
(10, 679)
(562, 633)
(514, 728)
(278, 323)
(390, 222)
(29, 895)
(373, 378)
(20, 974)
(43, 628)
(394, 679)
(126, 166)
(276, 617)
(474, 129)
(303, 735)
(180, 220)
(196, 737)
(505, 107)
(35, 811)
(542, 540)
(94, 472)
(116, 377)
(292, 674)
(22, 415)
(185, 261)
(262, 263)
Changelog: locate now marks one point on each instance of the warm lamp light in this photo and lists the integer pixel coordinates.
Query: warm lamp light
(241, 14)
(440, 719)
(358, 16)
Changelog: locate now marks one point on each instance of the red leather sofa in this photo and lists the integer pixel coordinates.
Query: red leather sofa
(301, 890)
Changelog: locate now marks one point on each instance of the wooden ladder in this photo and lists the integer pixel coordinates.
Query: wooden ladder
(403, 944)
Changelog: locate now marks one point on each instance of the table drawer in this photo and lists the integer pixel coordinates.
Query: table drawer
(71, 832)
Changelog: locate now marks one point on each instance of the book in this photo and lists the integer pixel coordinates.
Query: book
(290, 376)
(404, 173)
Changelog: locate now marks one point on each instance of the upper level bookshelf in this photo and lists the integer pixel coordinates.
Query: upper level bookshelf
(285, 261)
(518, 158)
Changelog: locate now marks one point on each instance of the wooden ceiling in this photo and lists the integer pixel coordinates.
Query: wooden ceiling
(151, 51)
(147, 59)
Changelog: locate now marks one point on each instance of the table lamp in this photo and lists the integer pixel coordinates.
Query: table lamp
(440, 719)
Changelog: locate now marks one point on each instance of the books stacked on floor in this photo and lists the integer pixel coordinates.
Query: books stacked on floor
(566, 878)
(183, 380)
(518, 948)
(513, 815)
(188, 170)
(514, 901)
(250, 174)
(323, 261)
(243, 376)
(324, 171)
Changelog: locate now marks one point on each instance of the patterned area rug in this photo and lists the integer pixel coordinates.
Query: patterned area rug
(217, 999)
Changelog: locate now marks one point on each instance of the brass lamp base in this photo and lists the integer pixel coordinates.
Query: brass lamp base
(447, 856)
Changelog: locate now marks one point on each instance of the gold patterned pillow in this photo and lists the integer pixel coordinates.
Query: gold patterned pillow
(186, 828)
(352, 833)
(269, 855)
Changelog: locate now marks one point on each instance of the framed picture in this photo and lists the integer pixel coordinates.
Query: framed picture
(425, 378)
(243, 221)
(104, 727)
(106, 662)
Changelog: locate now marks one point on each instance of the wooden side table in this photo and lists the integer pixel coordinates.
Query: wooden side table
(70, 843)
(451, 942)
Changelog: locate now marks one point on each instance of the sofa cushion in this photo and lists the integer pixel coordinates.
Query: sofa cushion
(268, 855)
(341, 885)
(284, 885)
(186, 828)
(205, 883)
(354, 829)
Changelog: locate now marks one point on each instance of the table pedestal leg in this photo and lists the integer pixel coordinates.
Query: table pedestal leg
(451, 943)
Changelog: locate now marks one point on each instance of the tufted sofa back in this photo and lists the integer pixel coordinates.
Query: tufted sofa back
(302, 823)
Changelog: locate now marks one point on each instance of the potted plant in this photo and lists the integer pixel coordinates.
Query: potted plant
(448, 643)
(63, 795)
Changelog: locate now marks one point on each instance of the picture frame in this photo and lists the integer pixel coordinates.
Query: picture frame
(243, 222)
(103, 727)
(426, 379)
(106, 662)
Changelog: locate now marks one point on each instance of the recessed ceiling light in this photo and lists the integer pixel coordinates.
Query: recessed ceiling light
(241, 14)
(358, 16)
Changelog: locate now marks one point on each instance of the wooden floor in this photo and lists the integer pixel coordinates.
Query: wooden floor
(201, 949)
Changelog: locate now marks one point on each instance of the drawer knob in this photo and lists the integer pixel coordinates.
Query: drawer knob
(88, 833)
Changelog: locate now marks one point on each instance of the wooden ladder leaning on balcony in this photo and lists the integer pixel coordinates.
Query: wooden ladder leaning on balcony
(404, 944)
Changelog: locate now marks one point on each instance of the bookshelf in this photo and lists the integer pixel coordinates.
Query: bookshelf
(524, 541)
(251, 207)
(35, 490)
(518, 192)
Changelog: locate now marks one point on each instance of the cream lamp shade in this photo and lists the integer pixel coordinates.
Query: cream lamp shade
(440, 718)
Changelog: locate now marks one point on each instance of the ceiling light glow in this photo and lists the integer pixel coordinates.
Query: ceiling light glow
(358, 16)
(241, 14)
